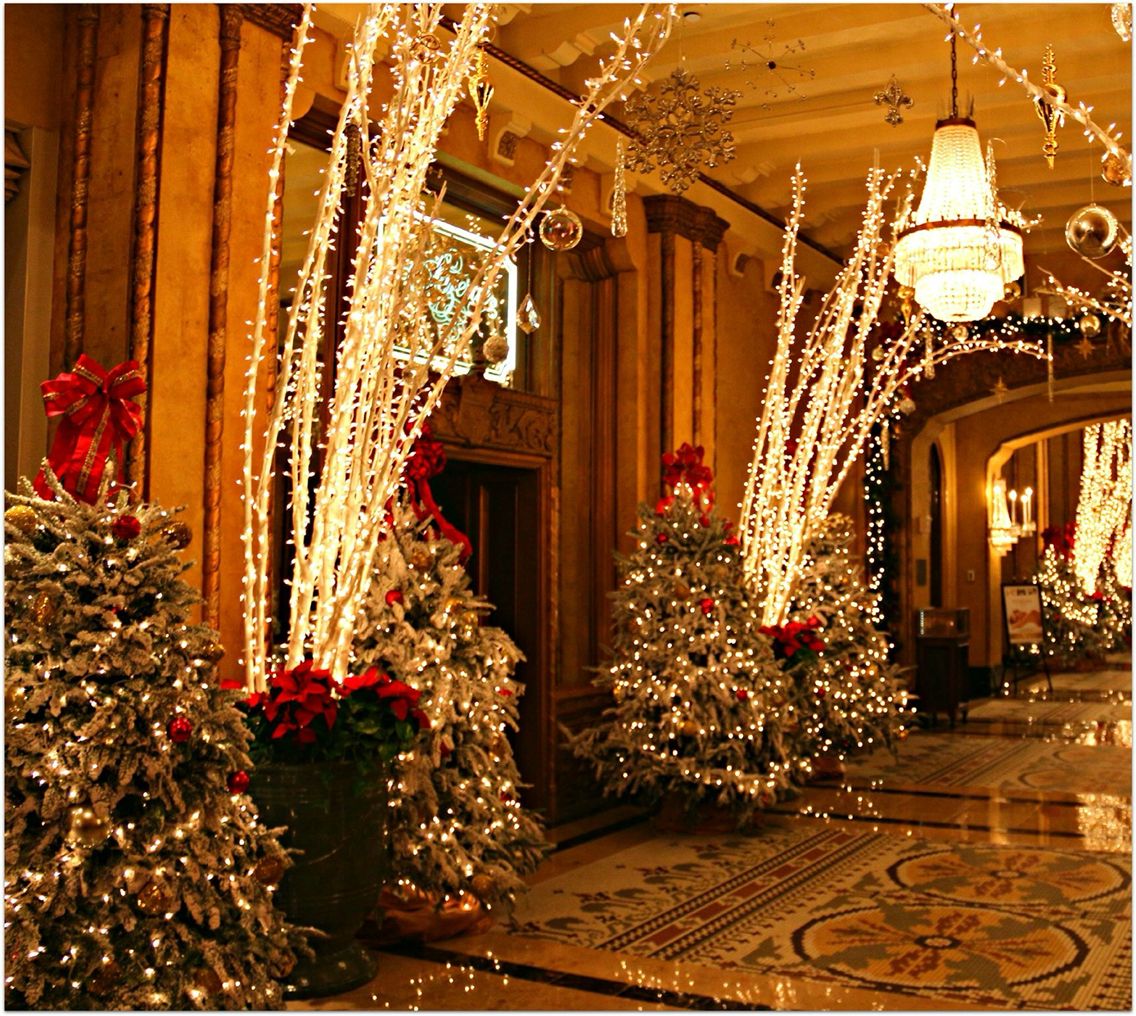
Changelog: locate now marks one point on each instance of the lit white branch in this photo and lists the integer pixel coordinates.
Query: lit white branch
(393, 359)
(820, 403)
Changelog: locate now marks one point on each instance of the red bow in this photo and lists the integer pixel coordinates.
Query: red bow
(99, 417)
(685, 466)
(428, 458)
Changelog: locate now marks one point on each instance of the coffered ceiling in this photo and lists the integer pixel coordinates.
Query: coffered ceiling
(816, 106)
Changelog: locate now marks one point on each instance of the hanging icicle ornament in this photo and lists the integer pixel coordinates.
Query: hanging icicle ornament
(619, 193)
(929, 354)
(885, 443)
(481, 92)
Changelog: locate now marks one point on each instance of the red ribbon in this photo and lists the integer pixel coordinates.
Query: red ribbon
(99, 417)
(427, 459)
(685, 466)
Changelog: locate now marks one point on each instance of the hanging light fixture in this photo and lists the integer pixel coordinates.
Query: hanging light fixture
(961, 247)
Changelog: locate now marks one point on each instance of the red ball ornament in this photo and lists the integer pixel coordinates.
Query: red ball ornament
(126, 527)
(179, 729)
(821, 693)
(661, 538)
(707, 606)
(238, 782)
(393, 596)
(742, 694)
(731, 540)
(704, 520)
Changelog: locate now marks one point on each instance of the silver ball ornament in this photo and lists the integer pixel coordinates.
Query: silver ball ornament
(560, 229)
(1092, 231)
(1090, 326)
(495, 349)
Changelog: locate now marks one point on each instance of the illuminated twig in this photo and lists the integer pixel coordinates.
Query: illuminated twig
(820, 406)
(394, 359)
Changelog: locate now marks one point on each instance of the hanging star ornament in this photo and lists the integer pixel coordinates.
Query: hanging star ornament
(680, 130)
(1000, 388)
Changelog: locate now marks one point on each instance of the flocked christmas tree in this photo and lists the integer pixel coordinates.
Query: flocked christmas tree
(703, 709)
(457, 822)
(857, 695)
(136, 873)
(1078, 625)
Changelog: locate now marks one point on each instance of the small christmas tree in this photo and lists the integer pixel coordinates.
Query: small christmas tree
(857, 694)
(703, 709)
(1073, 628)
(458, 825)
(137, 875)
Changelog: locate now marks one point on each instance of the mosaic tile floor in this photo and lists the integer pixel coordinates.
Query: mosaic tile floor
(987, 868)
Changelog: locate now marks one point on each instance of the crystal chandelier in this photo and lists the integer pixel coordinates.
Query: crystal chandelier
(960, 249)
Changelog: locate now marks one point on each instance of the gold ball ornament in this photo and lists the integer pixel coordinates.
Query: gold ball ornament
(495, 349)
(21, 517)
(453, 603)
(560, 229)
(14, 696)
(104, 979)
(482, 885)
(421, 559)
(44, 606)
(681, 590)
(1092, 231)
(689, 728)
(155, 898)
(1090, 326)
(1114, 170)
(88, 828)
(178, 534)
(207, 981)
(269, 871)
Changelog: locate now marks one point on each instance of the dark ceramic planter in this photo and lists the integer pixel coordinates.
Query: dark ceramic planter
(338, 820)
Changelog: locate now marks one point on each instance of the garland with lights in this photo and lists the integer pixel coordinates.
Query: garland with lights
(883, 525)
(137, 875)
(460, 835)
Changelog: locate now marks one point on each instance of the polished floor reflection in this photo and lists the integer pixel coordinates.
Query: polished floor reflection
(987, 867)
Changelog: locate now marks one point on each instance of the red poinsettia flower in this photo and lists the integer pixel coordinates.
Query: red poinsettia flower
(296, 697)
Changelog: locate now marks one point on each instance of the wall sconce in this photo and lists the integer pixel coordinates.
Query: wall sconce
(1011, 516)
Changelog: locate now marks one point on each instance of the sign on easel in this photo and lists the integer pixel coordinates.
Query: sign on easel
(1021, 607)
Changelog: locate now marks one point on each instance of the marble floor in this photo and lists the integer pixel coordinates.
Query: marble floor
(1027, 804)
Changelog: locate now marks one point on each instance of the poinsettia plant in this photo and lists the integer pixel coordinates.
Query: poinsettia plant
(795, 642)
(305, 716)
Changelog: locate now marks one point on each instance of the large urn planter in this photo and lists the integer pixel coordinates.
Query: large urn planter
(337, 819)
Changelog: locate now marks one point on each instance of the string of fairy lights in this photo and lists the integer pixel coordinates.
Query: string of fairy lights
(379, 400)
(823, 399)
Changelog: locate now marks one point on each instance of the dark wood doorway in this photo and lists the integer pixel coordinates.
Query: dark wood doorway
(936, 470)
(498, 507)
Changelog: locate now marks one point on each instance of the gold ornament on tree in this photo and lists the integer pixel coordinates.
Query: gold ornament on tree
(88, 828)
(44, 606)
(269, 871)
(155, 898)
(481, 92)
(680, 130)
(689, 728)
(211, 651)
(482, 885)
(21, 517)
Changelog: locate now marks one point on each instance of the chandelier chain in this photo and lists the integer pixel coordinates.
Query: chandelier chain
(954, 78)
